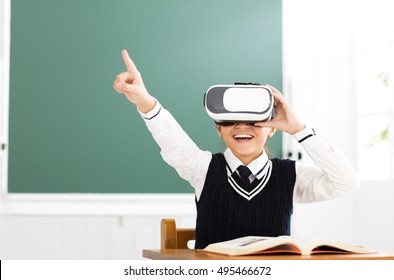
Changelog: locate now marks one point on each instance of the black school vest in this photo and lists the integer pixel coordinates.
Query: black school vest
(223, 214)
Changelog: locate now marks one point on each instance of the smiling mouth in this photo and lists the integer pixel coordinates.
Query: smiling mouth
(242, 137)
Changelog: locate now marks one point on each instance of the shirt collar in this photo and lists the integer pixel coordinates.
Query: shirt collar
(258, 167)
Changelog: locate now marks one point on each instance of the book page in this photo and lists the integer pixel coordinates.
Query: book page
(254, 245)
(319, 246)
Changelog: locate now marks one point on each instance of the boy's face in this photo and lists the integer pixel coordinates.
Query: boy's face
(244, 140)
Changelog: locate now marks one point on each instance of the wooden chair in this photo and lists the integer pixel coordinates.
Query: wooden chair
(173, 237)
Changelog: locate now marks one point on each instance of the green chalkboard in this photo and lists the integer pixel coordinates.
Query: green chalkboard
(70, 132)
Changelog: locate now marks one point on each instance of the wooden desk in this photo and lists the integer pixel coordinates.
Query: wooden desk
(189, 254)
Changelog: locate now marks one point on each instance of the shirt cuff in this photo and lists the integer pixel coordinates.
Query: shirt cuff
(152, 113)
(304, 134)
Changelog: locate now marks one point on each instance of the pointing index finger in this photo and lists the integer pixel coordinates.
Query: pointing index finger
(128, 62)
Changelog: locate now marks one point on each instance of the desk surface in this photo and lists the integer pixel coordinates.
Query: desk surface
(190, 254)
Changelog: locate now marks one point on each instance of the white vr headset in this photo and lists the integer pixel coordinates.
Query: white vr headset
(239, 102)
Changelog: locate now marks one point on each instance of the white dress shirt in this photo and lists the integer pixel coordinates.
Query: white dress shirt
(332, 177)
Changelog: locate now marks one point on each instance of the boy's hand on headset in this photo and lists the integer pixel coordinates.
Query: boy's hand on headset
(285, 118)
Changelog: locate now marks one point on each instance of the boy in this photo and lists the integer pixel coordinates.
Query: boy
(232, 200)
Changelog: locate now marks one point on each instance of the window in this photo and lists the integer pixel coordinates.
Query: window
(374, 83)
(347, 54)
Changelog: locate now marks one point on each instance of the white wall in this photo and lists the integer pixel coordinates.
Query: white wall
(88, 227)
(81, 237)
(375, 216)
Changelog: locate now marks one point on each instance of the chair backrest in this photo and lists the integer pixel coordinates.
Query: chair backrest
(173, 237)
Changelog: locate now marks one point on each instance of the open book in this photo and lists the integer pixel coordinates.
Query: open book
(251, 245)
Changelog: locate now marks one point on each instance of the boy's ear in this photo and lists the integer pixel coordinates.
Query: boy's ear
(219, 130)
(271, 132)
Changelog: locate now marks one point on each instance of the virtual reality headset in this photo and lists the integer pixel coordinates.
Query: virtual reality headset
(239, 102)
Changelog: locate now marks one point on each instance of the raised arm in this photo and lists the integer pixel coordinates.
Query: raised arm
(177, 149)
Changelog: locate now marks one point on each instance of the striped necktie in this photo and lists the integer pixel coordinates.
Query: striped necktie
(244, 174)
